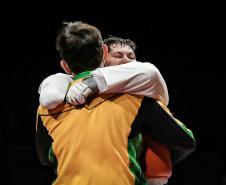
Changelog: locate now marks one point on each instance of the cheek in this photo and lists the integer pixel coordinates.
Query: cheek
(112, 61)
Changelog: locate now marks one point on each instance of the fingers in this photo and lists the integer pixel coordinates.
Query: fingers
(87, 92)
(71, 97)
(78, 93)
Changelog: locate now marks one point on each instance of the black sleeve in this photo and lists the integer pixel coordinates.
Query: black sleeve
(43, 142)
(162, 127)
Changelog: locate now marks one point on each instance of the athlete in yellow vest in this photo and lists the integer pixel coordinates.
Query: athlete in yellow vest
(104, 141)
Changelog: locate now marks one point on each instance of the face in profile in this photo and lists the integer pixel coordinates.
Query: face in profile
(119, 54)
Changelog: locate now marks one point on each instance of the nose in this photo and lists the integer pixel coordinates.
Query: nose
(125, 59)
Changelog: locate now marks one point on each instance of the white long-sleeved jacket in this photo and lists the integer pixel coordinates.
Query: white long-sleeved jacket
(134, 78)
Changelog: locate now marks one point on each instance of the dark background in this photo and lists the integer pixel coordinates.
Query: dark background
(187, 44)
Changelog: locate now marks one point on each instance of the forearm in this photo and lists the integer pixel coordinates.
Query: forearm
(134, 78)
(53, 90)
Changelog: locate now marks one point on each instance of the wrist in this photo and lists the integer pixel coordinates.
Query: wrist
(92, 84)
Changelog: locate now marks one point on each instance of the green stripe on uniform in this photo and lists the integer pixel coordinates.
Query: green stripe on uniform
(134, 148)
(82, 75)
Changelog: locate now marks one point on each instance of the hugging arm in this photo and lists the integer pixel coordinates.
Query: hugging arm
(53, 90)
(160, 125)
(134, 78)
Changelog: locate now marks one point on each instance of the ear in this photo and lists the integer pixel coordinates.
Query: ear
(105, 51)
(65, 67)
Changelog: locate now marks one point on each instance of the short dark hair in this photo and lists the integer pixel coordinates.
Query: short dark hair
(80, 45)
(110, 41)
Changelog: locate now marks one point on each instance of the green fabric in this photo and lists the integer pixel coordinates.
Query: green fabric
(82, 75)
(188, 131)
(134, 149)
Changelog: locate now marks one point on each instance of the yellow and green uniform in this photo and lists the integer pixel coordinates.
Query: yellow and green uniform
(103, 142)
